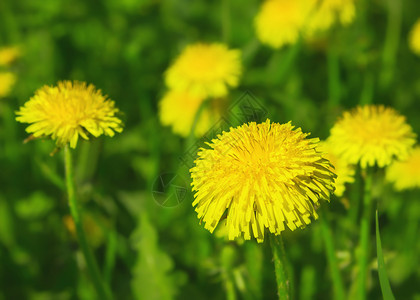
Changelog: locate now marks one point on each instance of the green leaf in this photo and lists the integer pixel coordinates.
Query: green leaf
(383, 277)
(152, 273)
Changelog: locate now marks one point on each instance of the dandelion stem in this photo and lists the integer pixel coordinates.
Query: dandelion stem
(101, 289)
(227, 258)
(280, 267)
(339, 291)
(392, 43)
(280, 64)
(225, 21)
(364, 235)
(334, 89)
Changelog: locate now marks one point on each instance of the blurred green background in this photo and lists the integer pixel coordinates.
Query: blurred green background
(149, 251)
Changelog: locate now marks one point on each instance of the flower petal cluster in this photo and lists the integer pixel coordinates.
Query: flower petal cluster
(372, 134)
(259, 176)
(343, 170)
(8, 55)
(69, 110)
(198, 81)
(329, 12)
(282, 22)
(205, 70)
(7, 80)
(414, 38)
(179, 109)
(405, 174)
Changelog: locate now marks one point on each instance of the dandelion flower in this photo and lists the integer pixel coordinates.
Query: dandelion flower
(7, 80)
(372, 134)
(8, 55)
(69, 110)
(280, 22)
(414, 38)
(205, 70)
(344, 171)
(405, 174)
(329, 12)
(179, 109)
(264, 175)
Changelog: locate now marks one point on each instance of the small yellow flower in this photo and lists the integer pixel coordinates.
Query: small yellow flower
(8, 55)
(344, 171)
(280, 22)
(69, 110)
(405, 174)
(370, 135)
(7, 80)
(205, 70)
(262, 176)
(414, 38)
(179, 109)
(329, 12)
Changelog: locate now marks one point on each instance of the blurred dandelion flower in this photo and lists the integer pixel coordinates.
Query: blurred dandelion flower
(329, 12)
(8, 55)
(179, 109)
(280, 22)
(205, 70)
(7, 80)
(344, 171)
(263, 175)
(69, 110)
(405, 174)
(414, 38)
(372, 134)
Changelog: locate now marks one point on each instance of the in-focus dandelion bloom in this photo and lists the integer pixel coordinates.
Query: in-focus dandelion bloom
(328, 12)
(8, 55)
(205, 70)
(69, 110)
(7, 80)
(405, 174)
(414, 38)
(372, 134)
(263, 176)
(344, 171)
(280, 22)
(179, 109)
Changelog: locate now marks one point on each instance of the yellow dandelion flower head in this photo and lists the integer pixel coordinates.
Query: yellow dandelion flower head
(263, 176)
(8, 55)
(179, 109)
(372, 134)
(405, 174)
(328, 12)
(205, 70)
(414, 38)
(69, 110)
(7, 80)
(280, 22)
(343, 170)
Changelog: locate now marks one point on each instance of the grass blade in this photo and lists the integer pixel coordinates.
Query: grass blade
(383, 277)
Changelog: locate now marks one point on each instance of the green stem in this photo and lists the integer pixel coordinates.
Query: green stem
(227, 260)
(280, 64)
(368, 89)
(102, 290)
(280, 267)
(392, 38)
(339, 291)
(364, 235)
(334, 90)
(225, 21)
(111, 252)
